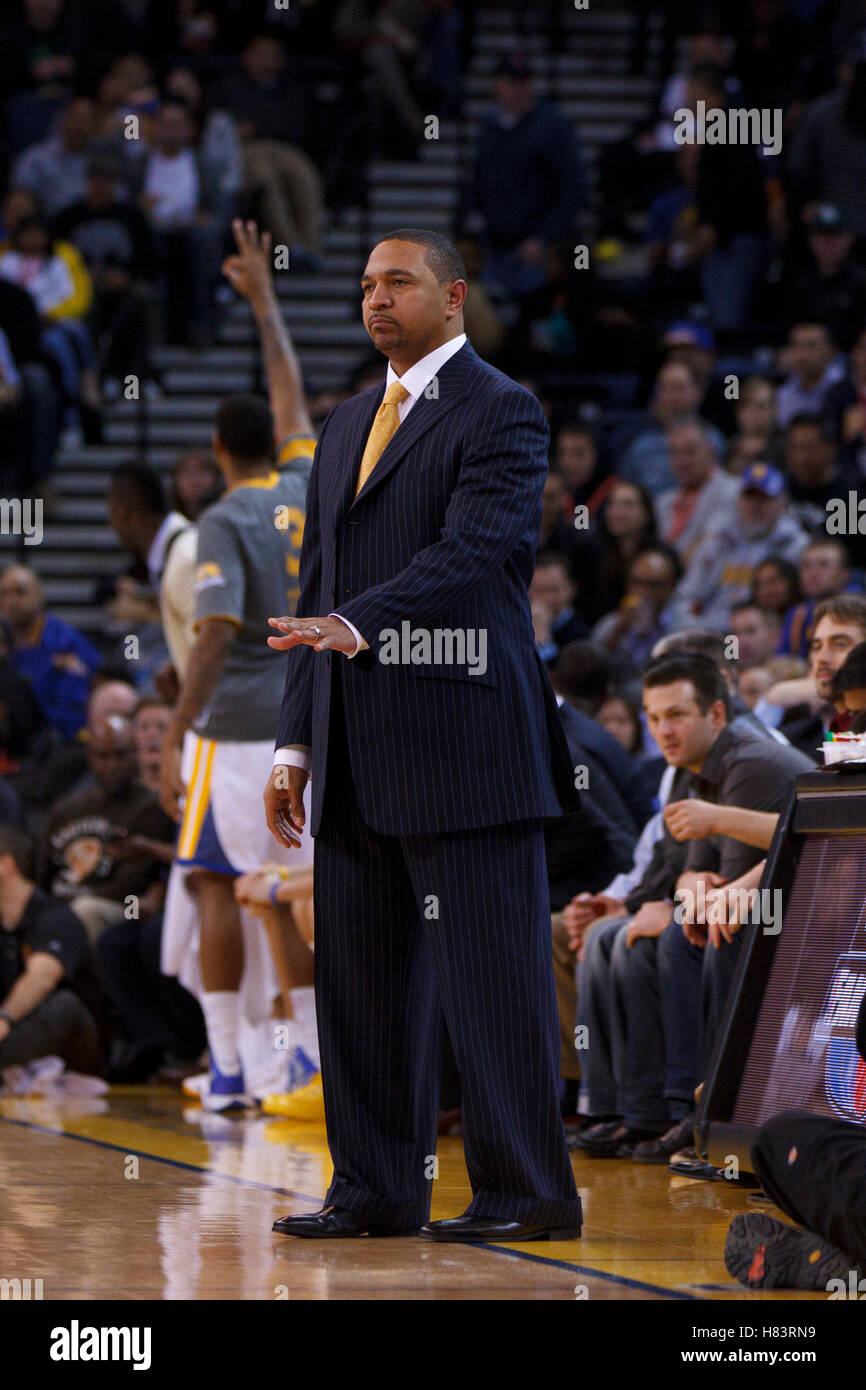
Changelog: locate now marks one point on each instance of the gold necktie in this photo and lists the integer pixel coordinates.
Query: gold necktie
(385, 424)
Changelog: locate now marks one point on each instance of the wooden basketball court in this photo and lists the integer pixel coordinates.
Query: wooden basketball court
(141, 1195)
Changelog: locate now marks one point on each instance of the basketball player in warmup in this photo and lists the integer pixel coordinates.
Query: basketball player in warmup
(248, 553)
(286, 919)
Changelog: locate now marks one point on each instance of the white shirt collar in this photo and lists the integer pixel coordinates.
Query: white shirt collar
(173, 522)
(423, 372)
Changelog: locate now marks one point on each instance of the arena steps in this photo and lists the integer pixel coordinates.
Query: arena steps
(590, 81)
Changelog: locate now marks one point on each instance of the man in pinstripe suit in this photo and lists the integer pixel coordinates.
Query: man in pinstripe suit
(416, 701)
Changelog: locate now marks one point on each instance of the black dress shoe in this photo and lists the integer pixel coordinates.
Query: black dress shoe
(334, 1223)
(618, 1143)
(661, 1150)
(476, 1228)
(599, 1127)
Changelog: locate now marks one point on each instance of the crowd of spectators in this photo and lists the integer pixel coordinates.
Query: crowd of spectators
(131, 132)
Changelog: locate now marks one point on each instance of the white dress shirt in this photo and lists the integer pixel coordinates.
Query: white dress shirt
(415, 380)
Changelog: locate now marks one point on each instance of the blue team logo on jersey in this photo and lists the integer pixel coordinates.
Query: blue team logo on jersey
(844, 1069)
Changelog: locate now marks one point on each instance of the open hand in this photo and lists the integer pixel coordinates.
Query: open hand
(322, 634)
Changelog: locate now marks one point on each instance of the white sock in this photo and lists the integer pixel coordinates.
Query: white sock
(220, 1009)
(306, 1033)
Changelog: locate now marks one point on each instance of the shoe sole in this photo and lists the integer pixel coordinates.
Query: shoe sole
(375, 1233)
(623, 1151)
(231, 1103)
(763, 1253)
(566, 1233)
(653, 1158)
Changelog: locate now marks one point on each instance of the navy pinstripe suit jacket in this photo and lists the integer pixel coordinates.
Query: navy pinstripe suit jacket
(442, 535)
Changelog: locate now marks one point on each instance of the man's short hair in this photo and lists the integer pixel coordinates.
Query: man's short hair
(245, 428)
(573, 424)
(806, 419)
(667, 552)
(694, 639)
(812, 323)
(825, 542)
(766, 613)
(19, 845)
(441, 255)
(545, 559)
(138, 485)
(582, 673)
(150, 702)
(700, 671)
(849, 609)
(710, 75)
(693, 422)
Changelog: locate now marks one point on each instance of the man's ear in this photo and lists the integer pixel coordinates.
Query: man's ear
(456, 297)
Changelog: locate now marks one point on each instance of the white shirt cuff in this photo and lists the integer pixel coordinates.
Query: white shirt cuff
(360, 644)
(292, 757)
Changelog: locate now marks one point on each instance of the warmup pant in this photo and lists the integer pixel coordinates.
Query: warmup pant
(815, 1171)
(61, 1026)
(406, 925)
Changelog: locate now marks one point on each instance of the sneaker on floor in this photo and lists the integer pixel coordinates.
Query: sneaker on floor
(301, 1070)
(76, 1083)
(195, 1086)
(307, 1103)
(662, 1150)
(32, 1078)
(226, 1093)
(763, 1253)
(284, 1072)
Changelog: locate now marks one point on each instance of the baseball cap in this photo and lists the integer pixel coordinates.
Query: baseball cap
(827, 217)
(762, 477)
(688, 334)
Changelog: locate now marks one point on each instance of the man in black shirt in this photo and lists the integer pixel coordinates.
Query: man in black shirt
(832, 289)
(48, 989)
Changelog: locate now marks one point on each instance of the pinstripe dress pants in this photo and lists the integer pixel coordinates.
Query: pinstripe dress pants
(407, 928)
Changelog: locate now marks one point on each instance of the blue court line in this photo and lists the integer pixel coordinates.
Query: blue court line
(595, 1273)
(305, 1197)
(157, 1158)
